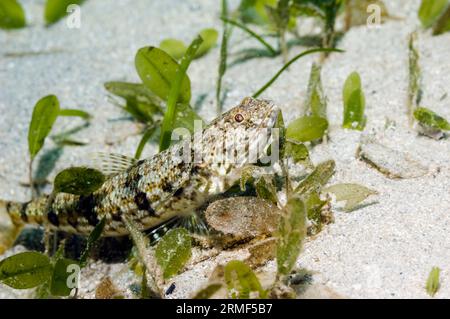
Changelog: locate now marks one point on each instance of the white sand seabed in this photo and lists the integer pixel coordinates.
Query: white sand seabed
(382, 250)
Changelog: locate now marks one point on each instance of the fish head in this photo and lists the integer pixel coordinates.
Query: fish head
(239, 137)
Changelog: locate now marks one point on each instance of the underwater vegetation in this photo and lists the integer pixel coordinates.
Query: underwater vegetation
(430, 123)
(45, 114)
(12, 15)
(162, 102)
(433, 284)
(169, 256)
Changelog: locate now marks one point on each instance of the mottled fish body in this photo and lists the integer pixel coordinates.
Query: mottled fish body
(169, 184)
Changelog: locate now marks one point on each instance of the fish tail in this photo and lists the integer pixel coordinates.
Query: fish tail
(11, 224)
(14, 216)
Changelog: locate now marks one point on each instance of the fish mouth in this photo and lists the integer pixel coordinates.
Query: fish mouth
(266, 135)
(272, 115)
(272, 120)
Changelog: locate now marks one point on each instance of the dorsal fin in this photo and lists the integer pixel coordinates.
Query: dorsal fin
(112, 163)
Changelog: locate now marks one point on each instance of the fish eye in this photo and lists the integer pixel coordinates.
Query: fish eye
(239, 117)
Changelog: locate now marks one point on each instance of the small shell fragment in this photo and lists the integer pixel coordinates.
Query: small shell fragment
(107, 289)
(393, 163)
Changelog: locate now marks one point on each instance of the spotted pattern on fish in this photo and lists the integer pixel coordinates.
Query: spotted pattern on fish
(154, 190)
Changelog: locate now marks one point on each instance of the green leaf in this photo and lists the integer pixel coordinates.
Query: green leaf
(286, 66)
(283, 14)
(223, 56)
(176, 48)
(185, 117)
(241, 281)
(317, 179)
(173, 251)
(430, 119)
(135, 92)
(308, 10)
(252, 33)
(176, 90)
(352, 83)
(57, 9)
(93, 237)
(414, 76)
(433, 284)
(314, 211)
(146, 292)
(43, 291)
(58, 286)
(140, 241)
(208, 291)
(353, 194)
(281, 127)
(330, 10)
(65, 138)
(291, 232)
(307, 128)
(280, 18)
(158, 71)
(72, 112)
(316, 102)
(25, 270)
(354, 117)
(59, 253)
(141, 103)
(147, 135)
(430, 11)
(78, 181)
(443, 23)
(44, 116)
(246, 176)
(142, 112)
(12, 15)
(298, 151)
(62, 141)
(209, 37)
(354, 103)
(254, 11)
(146, 257)
(266, 189)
